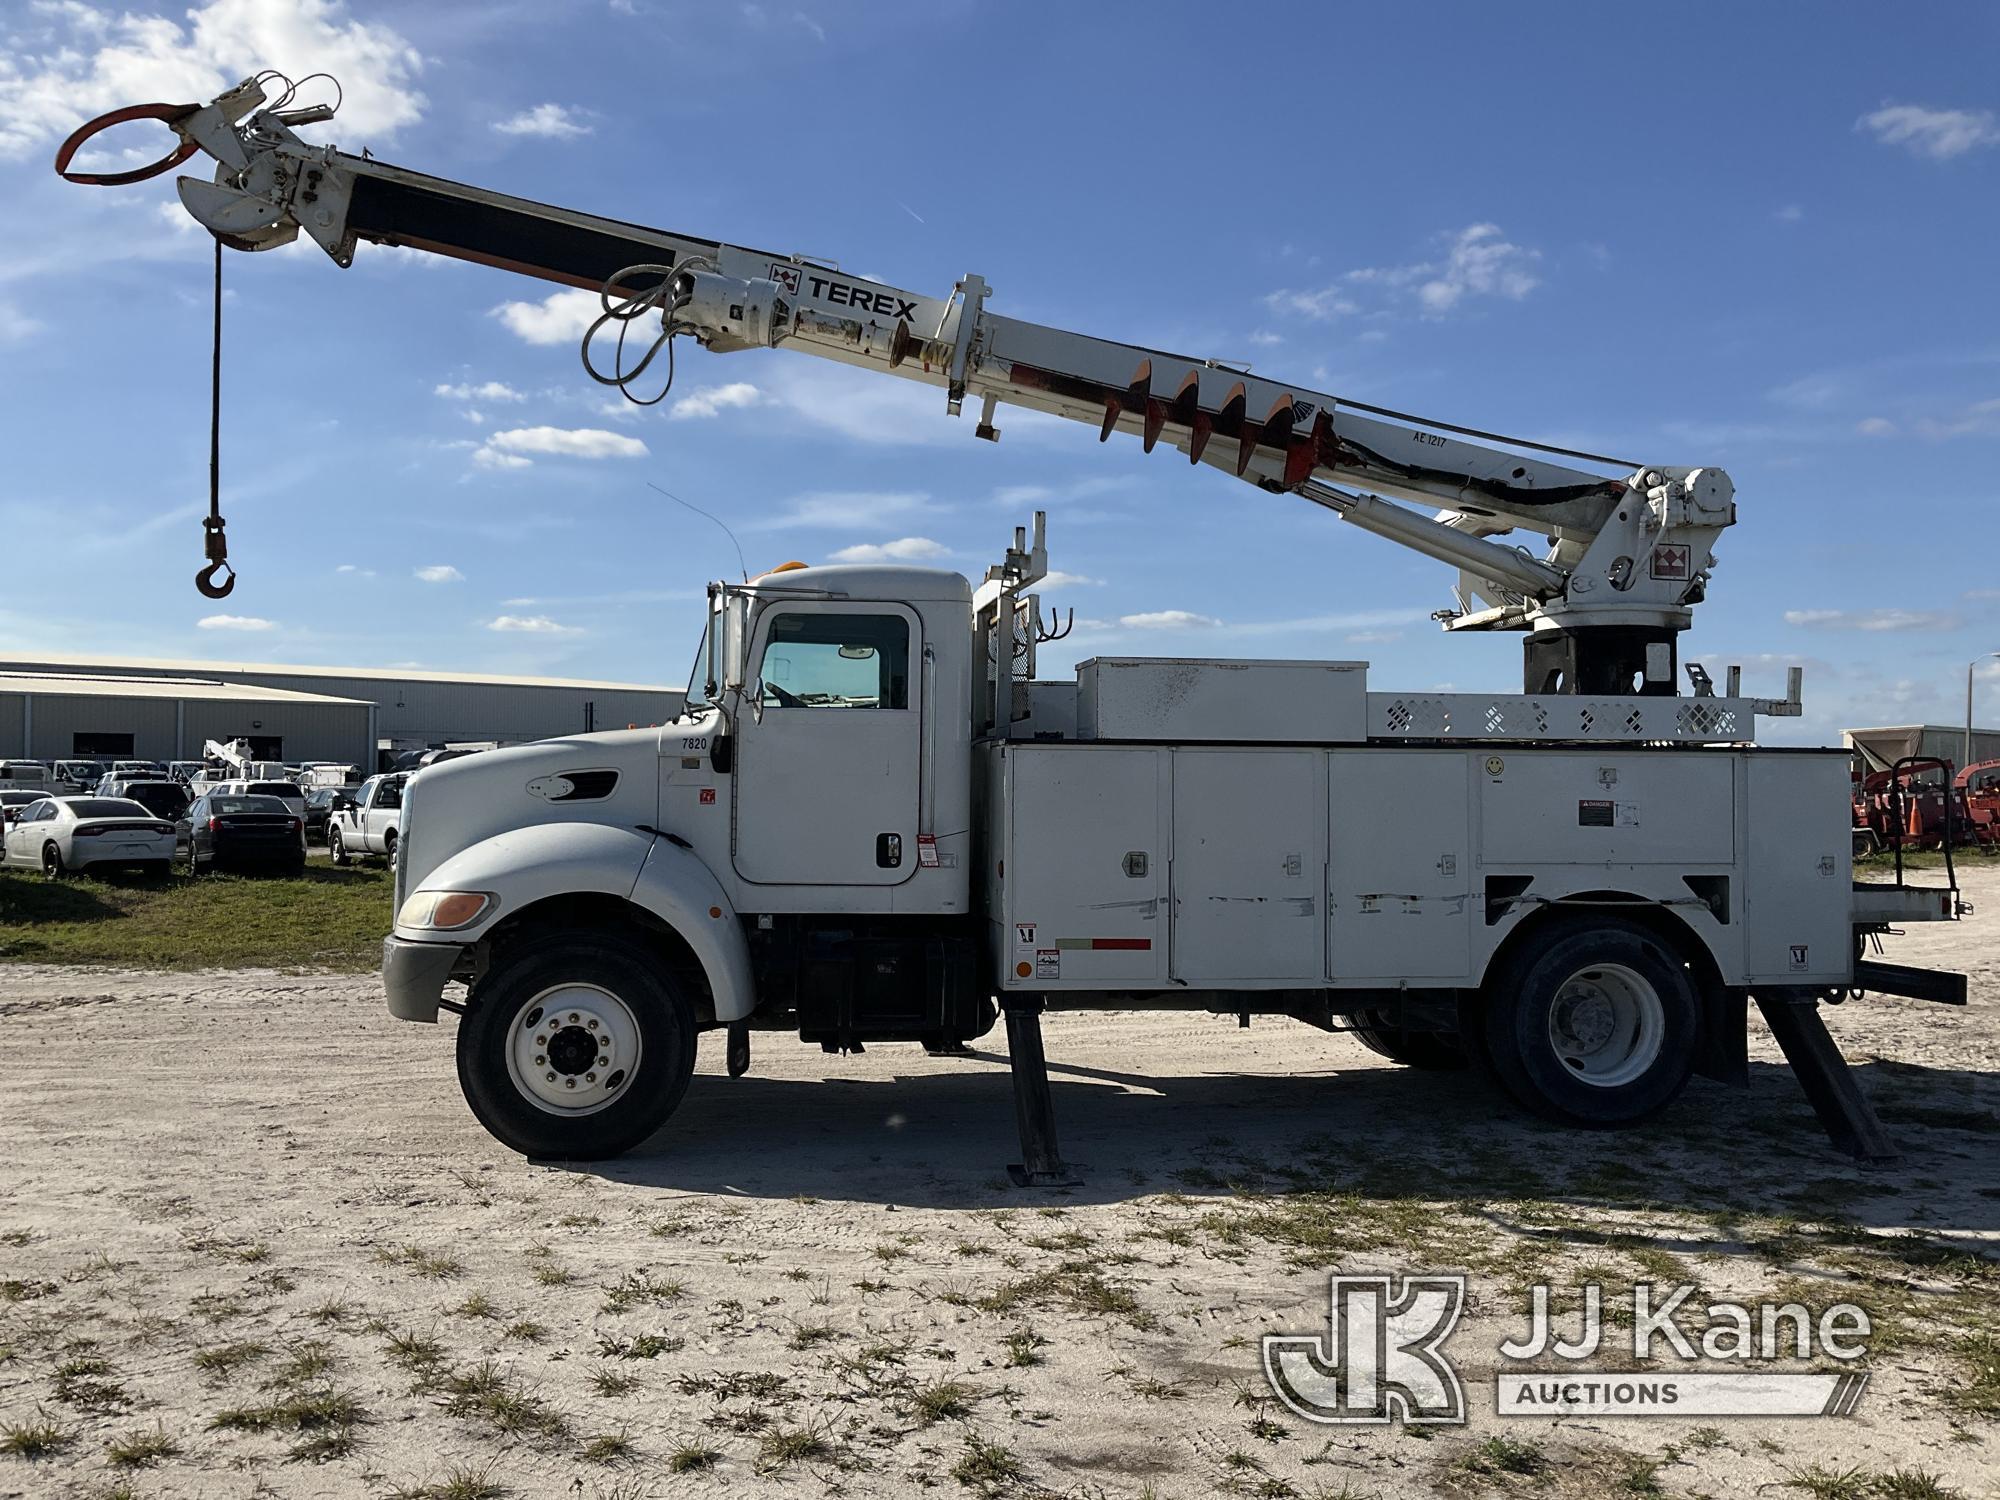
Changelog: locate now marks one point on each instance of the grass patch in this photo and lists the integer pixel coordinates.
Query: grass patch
(32, 1440)
(692, 1458)
(323, 1420)
(1073, 1285)
(457, 1484)
(944, 1399)
(327, 919)
(141, 1449)
(609, 1448)
(641, 1346)
(1501, 1455)
(432, 1265)
(639, 1289)
(486, 1394)
(782, 1447)
(986, 1467)
(1977, 1390)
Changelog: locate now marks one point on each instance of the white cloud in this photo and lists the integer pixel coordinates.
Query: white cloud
(488, 390)
(553, 121)
(234, 622)
(509, 449)
(1321, 306)
(1168, 619)
(1869, 619)
(440, 573)
(1477, 261)
(356, 569)
(1372, 637)
(712, 401)
(531, 625)
(81, 60)
(559, 318)
(1056, 578)
(1939, 134)
(1263, 338)
(863, 408)
(1875, 427)
(1981, 416)
(848, 509)
(903, 549)
(1480, 264)
(1789, 213)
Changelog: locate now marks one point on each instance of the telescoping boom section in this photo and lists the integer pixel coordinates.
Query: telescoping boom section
(1628, 548)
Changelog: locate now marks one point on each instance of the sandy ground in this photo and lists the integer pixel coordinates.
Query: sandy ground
(257, 1198)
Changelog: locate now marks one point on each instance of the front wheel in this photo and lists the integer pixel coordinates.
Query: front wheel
(336, 849)
(575, 1048)
(1598, 1025)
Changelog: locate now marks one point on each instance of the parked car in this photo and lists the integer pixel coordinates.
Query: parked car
(160, 797)
(369, 822)
(184, 771)
(320, 801)
(15, 798)
(294, 795)
(244, 830)
(30, 775)
(60, 834)
(79, 775)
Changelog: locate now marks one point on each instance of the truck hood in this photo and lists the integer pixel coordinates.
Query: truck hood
(611, 778)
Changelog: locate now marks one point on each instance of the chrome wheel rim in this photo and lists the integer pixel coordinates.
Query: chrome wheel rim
(1607, 1025)
(573, 1049)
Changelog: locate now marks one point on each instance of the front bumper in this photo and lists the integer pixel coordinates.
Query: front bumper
(414, 975)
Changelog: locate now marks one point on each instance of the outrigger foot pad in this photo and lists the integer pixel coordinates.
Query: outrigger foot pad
(1850, 1120)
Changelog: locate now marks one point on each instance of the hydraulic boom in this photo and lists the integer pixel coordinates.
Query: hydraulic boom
(1628, 552)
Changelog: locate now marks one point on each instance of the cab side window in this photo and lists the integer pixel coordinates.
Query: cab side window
(836, 661)
(389, 794)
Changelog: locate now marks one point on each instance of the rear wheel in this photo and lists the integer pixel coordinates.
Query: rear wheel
(1429, 1051)
(575, 1048)
(389, 848)
(336, 850)
(1597, 1025)
(52, 862)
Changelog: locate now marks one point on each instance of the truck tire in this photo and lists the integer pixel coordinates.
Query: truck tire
(336, 847)
(1427, 1051)
(389, 847)
(1596, 1023)
(575, 1048)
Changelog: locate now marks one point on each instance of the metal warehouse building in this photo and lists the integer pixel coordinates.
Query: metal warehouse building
(50, 716)
(413, 710)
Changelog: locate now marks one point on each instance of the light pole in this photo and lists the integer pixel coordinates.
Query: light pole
(1970, 668)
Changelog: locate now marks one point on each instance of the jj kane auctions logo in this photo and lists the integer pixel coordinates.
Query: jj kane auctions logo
(1382, 1358)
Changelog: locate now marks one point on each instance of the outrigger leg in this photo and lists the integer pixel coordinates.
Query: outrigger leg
(1850, 1120)
(1041, 1163)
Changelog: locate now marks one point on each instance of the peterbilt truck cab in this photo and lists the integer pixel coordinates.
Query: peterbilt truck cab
(794, 851)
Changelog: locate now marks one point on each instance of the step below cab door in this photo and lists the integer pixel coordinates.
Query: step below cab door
(830, 753)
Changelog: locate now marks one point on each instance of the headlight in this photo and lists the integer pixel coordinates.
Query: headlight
(444, 911)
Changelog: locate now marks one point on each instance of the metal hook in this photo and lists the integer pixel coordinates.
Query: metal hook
(216, 546)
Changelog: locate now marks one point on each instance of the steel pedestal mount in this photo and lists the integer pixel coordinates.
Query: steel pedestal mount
(1850, 1120)
(1041, 1163)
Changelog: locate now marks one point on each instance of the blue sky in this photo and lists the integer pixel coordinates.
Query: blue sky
(1760, 237)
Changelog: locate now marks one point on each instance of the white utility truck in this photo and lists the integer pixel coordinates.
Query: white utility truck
(877, 822)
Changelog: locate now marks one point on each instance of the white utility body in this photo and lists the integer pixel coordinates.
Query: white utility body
(877, 821)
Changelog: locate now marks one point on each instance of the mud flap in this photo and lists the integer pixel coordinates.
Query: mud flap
(1724, 1053)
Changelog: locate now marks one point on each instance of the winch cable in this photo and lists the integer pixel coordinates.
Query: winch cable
(622, 307)
(214, 543)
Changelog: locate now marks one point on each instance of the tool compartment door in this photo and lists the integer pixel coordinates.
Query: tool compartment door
(1249, 866)
(1086, 876)
(1399, 865)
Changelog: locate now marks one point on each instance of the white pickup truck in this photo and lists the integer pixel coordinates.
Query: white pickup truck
(370, 822)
